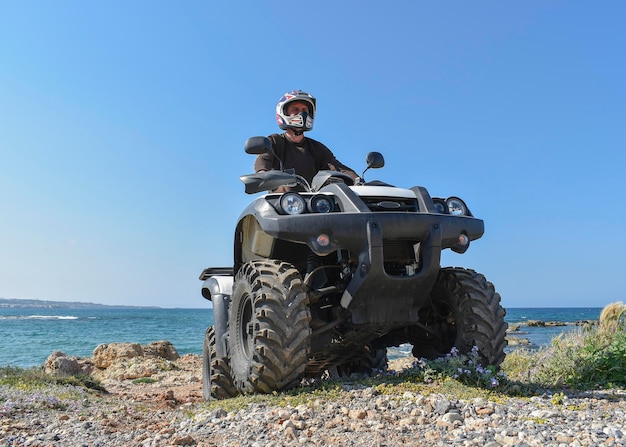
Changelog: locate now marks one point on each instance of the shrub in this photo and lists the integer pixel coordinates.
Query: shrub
(593, 357)
(466, 368)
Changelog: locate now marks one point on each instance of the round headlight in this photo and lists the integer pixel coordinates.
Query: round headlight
(456, 206)
(321, 204)
(292, 203)
(440, 206)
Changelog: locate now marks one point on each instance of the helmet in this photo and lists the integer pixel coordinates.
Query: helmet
(302, 121)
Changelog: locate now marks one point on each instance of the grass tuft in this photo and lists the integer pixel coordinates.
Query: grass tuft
(592, 357)
(35, 378)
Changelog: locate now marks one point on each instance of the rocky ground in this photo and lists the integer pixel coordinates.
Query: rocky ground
(153, 400)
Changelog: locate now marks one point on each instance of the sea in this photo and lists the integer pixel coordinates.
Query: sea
(29, 335)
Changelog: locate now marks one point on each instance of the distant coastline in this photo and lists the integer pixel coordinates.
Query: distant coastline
(19, 303)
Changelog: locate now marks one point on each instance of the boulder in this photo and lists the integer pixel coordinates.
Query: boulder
(518, 341)
(163, 349)
(118, 361)
(135, 368)
(106, 354)
(62, 365)
(536, 323)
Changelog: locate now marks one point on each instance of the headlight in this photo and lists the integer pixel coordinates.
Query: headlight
(440, 206)
(292, 203)
(322, 204)
(456, 206)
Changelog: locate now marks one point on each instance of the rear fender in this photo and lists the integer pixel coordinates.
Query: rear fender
(219, 289)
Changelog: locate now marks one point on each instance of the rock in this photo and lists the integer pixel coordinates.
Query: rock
(106, 354)
(62, 365)
(485, 410)
(120, 361)
(535, 323)
(357, 414)
(442, 405)
(518, 341)
(163, 349)
(543, 414)
(587, 323)
(555, 323)
(452, 417)
(135, 368)
(183, 440)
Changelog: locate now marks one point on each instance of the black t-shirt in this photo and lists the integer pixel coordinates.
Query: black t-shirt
(307, 158)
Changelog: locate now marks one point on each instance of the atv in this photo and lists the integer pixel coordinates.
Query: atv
(328, 275)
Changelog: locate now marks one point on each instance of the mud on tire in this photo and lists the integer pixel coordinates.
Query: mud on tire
(269, 332)
(465, 311)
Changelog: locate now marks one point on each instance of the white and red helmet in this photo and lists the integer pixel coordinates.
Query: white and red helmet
(302, 121)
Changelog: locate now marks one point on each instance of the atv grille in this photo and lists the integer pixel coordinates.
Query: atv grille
(400, 251)
(407, 205)
(401, 258)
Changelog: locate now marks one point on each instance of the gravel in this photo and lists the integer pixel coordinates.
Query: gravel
(171, 413)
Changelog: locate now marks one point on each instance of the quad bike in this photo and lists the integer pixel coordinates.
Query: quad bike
(327, 276)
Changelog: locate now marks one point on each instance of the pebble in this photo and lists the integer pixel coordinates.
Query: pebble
(364, 418)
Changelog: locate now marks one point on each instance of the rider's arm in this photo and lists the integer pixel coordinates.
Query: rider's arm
(264, 162)
(329, 161)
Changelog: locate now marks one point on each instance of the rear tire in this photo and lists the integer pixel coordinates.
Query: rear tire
(371, 360)
(465, 311)
(269, 329)
(216, 380)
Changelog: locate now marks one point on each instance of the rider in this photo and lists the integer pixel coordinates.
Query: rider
(295, 112)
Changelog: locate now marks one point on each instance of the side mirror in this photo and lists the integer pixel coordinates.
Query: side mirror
(261, 145)
(375, 160)
(258, 145)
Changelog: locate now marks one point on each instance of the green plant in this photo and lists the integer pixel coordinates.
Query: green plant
(592, 357)
(558, 399)
(33, 390)
(466, 368)
(144, 380)
(35, 377)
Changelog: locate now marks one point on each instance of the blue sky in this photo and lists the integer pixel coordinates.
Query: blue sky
(122, 127)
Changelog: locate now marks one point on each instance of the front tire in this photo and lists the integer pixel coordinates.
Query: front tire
(465, 311)
(269, 328)
(216, 379)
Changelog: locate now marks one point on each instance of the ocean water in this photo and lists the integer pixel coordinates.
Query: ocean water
(29, 336)
(542, 336)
